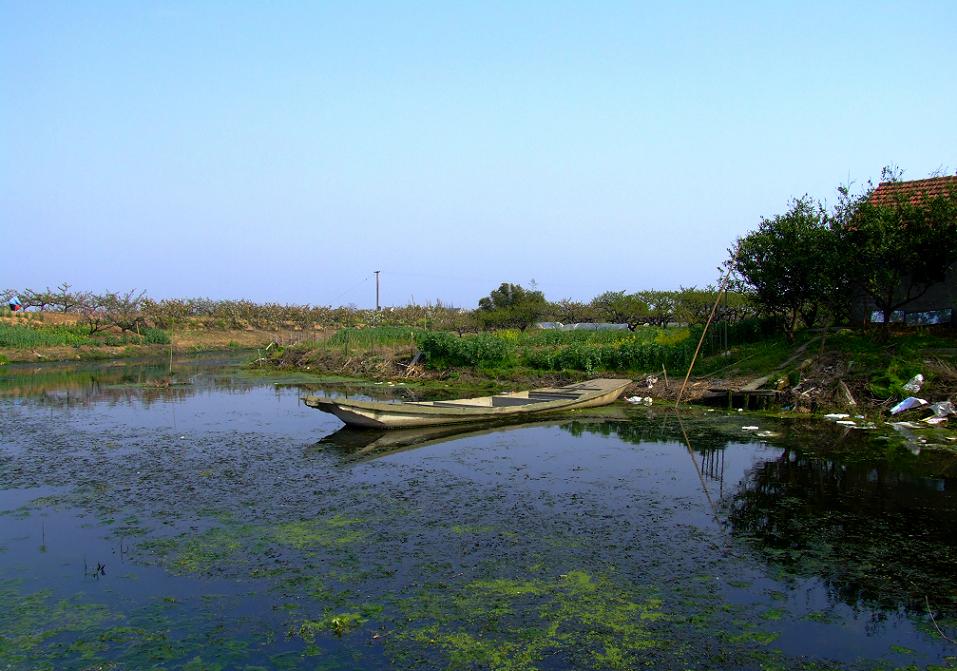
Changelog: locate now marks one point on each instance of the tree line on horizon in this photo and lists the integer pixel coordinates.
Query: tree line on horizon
(806, 267)
(508, 306)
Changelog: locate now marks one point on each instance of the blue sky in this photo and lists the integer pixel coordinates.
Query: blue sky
(283, 151)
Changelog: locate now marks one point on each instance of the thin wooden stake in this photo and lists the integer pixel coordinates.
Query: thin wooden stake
(171, 349)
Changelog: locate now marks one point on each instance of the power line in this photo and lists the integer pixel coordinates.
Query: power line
(352, 288)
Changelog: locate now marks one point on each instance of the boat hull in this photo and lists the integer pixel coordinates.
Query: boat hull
(505, 407)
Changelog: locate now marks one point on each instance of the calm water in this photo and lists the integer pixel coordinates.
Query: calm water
(221, 524)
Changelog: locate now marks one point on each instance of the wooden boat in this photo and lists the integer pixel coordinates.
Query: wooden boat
(515, 406)
(355, 444)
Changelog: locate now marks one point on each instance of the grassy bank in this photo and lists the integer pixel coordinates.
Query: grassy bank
(30, 338)
(506, 353)
(825, 371)
(808, 374)
(39, 334)
(815, 372)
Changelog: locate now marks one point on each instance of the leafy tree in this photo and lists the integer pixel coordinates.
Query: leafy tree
(893, 253)
(621, 308)
(693, 305)
(568, 311)
(511, 306)
(661, 306)
(788, 264)
(736, 306)
(449, 318)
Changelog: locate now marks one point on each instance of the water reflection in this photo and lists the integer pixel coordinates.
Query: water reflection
(875, 522)
(149, 381)
(878, 535)
(83, 382)
(356, 444)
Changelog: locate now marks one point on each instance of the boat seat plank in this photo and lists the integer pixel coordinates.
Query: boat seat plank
(504, 401)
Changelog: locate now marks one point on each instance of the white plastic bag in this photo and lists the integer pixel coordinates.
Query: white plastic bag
(943, 408)
(907, 404)
(914, 384)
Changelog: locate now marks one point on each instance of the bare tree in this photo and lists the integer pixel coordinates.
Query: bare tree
(66, 301)
(120, 310)
(37, 299)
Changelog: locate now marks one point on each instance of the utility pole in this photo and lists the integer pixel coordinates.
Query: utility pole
(377, 308)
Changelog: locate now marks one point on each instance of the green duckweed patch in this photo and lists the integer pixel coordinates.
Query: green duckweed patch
(337, 624)
(473, 529)
(222, 548)
(330, 532)
(513, 624)
(30, 621)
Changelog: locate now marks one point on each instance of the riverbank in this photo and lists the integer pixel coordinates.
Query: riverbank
(60, 337)
(839, 371)
(844, 370)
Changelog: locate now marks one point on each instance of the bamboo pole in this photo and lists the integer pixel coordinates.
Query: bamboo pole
(714, 309)
(171, 327)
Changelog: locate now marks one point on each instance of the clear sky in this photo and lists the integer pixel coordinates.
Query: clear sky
(282, 151)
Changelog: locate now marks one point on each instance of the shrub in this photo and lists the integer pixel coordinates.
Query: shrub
(155, 337)
(443, 349)
(588, 351)
(370, 338)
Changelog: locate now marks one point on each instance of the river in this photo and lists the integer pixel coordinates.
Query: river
(218, 523)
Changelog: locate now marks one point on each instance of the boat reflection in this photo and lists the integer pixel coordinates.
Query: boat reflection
(355, 444)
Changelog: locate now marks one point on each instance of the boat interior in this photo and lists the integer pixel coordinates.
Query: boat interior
(505, 400)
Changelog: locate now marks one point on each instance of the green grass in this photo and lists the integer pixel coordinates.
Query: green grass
(588, 351)
(541, 337)
(372, 338)
(508, 351)
(893, 362)
(751, 358)
(746, 349)
(886, 365)
(42, 335)
(22, 337)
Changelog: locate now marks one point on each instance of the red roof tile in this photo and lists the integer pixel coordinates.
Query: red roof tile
(916, 190)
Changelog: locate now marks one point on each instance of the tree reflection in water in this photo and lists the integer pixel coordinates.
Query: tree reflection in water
(875, 523)
(876, 535)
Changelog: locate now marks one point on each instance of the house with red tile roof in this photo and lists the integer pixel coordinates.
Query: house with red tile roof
(938, 305)
(915, 191)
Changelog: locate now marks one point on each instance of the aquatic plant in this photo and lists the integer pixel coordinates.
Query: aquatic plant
(513, 624)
